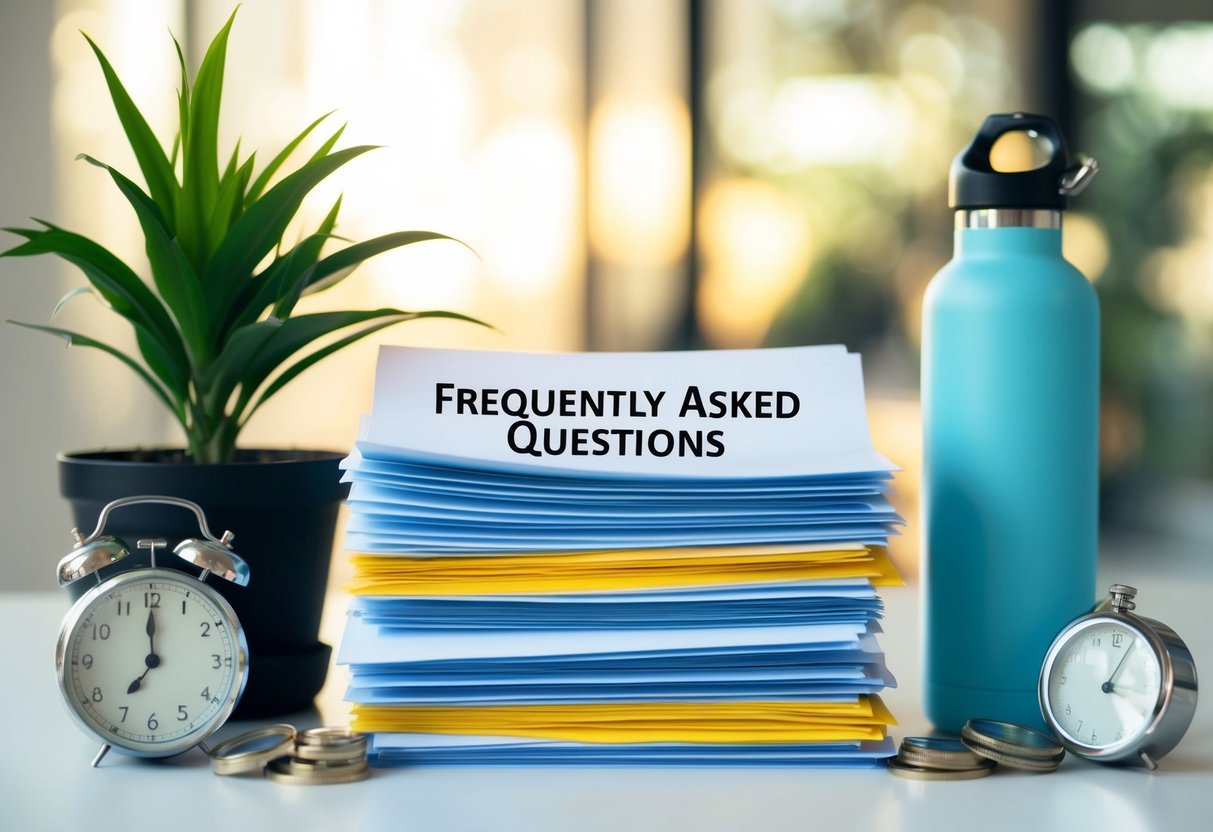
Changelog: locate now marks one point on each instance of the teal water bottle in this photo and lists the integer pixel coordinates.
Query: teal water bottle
(1010, 408)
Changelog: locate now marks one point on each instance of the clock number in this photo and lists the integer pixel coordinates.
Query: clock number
(1067, 710)
(182, 714)
(124, 608)
(183, 606)
(1092, 738)
(152, 723)
(87, 661)
(206, 628)
(151, 600)
(206, 692)
(1078, 727)
(218, 661)
(97, 697)
(1063, 678)
(1096, 641)
(1118, 639)
(124, 710)
(101, 631)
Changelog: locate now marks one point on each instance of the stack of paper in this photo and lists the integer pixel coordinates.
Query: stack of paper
(619, 559)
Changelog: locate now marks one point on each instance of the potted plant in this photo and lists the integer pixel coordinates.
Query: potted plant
(218, 334)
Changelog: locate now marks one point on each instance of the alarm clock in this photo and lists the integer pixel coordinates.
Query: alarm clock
(151, 661)
(1116, 687)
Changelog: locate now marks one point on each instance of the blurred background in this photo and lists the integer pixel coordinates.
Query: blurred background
(634, 175)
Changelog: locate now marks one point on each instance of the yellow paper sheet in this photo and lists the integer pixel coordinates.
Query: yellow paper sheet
(716, 722)
(617, 570)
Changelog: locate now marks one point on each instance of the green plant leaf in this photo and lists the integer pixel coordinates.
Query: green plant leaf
(232, 163)
(157, 172)
(201, 172)
(131, 191)
(329, 144)
(225, 373)
(286, 376)
(75, 338)
(183, 97)
(264, 177)
(229, 203)
(117, 284)
(292, 275)
(268, 288)
(337, 266)
(165, 365)
(174, 277)
(296, 333)
(260, 228)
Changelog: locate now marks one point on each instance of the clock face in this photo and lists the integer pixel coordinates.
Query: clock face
(1104, 684)
(151, 661)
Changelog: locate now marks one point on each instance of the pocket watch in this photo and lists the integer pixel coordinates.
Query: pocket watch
(1116, 687)
(151, 661)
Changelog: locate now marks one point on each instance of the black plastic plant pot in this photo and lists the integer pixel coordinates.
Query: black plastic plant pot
(282, 508)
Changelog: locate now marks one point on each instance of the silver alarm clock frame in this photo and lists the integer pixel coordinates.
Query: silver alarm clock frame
(84, 605)
(210, 554)
(1175, 706)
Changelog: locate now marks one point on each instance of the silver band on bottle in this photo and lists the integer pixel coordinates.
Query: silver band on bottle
(1009, 218)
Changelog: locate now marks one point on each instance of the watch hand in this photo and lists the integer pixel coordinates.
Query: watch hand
(134, 686)
(151, 635)
(151, 659)
(1107, 686)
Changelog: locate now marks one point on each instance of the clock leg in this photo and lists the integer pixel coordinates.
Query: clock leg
(101, 755)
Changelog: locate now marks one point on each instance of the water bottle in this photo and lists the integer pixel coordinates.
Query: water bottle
(1010, 408)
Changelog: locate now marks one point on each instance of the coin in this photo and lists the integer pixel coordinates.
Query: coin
(1022, 763)
(252, 750)
(910, 772)
(937, 752)
(1010, 738)
(1013, 745)
(314, 773)
(330, 745)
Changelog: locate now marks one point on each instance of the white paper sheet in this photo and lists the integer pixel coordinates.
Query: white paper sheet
(768, 413)
(365, 643)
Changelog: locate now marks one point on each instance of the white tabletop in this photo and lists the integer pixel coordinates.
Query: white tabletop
(46, 782)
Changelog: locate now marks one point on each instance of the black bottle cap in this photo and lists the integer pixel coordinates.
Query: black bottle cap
(973, 182)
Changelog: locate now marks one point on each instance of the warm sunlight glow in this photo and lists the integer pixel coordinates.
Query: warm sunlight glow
(640, 179)
(756, 250)
(528, 170)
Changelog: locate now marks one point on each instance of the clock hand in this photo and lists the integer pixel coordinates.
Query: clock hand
(1107, 686)
(151, 660)
(151, 637)
(134, 686)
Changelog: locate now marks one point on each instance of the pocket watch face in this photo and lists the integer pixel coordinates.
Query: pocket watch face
(1104, 684)
(151, 661)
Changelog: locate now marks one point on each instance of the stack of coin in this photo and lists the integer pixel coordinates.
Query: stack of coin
(316, 756)
(937, 758)
(323, 756)
(1013, 745)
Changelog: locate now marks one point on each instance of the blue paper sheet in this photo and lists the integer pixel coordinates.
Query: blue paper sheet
(461, 750)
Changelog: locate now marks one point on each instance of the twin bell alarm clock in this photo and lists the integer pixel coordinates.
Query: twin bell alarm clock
(150, 660)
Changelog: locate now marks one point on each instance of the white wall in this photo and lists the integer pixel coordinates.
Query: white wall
(33, 520)
(53, 399)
